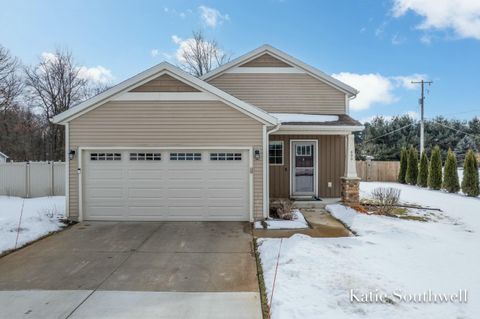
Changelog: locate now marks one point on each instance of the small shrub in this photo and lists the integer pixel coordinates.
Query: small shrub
(386, 198)
(282, 208)
(470, 175)
(423, 171)
(435, 169)
(403, 166)
(450, 174)
(412, 166)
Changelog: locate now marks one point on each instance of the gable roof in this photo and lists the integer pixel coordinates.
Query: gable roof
(3, 155)
(153, 72)
(266, 48)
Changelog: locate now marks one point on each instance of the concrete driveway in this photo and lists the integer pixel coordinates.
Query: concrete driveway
(128, 269)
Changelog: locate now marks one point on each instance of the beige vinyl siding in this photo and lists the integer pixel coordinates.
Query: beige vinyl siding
(165, 124)
(164, 83)
(266, 60)
(289, 93)
(331, 165)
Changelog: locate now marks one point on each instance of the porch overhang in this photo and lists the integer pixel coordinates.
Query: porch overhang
(315, 124)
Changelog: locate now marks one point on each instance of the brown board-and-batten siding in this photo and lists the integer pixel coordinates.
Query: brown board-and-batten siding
(165, 124)
(331, 165)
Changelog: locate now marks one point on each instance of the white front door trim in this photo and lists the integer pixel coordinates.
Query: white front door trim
(90, 148)
(315, 161)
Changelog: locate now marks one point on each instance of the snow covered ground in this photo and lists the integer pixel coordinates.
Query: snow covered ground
(298, 222)
(390, 255)
(40, 216)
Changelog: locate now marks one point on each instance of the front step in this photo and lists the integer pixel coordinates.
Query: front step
(315, 203)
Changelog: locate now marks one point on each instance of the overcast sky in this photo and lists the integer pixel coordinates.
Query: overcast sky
(376, 46)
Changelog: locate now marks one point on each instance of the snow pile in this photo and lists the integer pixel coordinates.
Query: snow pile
(294, 117)
(298, 222)
(316, 275)
(40, 216)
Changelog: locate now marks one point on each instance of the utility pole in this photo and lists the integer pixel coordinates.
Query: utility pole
(422, 108)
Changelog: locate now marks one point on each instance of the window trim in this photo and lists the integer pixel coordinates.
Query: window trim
(283, 153)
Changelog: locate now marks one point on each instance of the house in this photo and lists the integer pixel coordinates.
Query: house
(3, 158)
(164, 145)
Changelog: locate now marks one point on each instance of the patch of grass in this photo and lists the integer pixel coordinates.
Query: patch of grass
(261, 282)
(404, 213)
(399, 211)
(416, 218)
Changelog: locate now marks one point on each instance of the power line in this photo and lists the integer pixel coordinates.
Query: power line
(464, 112)
(452, 128)
(389, 133)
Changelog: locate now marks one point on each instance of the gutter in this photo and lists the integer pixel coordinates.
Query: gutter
(267, 168)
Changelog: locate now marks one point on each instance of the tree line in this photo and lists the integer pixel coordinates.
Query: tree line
(30, 95)
(382, 138)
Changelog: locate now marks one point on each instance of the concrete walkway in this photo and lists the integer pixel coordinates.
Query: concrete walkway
(149, 270)
(322, 224)
(128, 304)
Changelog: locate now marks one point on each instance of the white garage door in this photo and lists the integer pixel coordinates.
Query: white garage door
(156, 185)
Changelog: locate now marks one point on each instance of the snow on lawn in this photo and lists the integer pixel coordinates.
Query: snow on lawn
(40, 216)
(316, 275)
(298, 222)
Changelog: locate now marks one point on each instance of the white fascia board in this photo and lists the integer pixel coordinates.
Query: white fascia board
(316, 129)
(150, 74)
(287, 59)
(165, 96)
(264, 70)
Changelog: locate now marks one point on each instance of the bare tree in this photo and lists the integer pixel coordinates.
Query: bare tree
(54, 86)
(200, 55)
(10, 89)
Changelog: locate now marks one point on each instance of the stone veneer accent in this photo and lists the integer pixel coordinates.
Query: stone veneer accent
(350, 190)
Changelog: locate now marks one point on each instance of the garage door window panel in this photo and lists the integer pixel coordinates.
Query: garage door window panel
(145, 156)
(105, 156)
(225, 156)
(185, 156)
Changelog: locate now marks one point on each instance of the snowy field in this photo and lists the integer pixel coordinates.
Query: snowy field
(40, 216)
(390, 255)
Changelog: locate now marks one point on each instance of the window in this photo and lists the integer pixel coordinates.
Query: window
(275, 152)
(185, 156)
(304, 150)
(225, 156)
(145, 156)
(105, 156)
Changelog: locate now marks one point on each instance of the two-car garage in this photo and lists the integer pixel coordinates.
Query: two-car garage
(166, 184)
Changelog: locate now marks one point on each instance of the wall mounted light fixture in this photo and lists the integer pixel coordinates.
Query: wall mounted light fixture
(257, 154)
(71, 154)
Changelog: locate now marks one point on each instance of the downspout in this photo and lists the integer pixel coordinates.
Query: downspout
(347, 101)
(267, 174)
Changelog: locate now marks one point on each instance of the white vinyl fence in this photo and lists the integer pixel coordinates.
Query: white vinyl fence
(32, 179)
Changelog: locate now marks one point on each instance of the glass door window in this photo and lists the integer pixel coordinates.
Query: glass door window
(304, 168)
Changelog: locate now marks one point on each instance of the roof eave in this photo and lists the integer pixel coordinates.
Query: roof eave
(104, 97)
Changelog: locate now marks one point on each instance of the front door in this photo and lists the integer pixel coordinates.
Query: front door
(303, 170)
